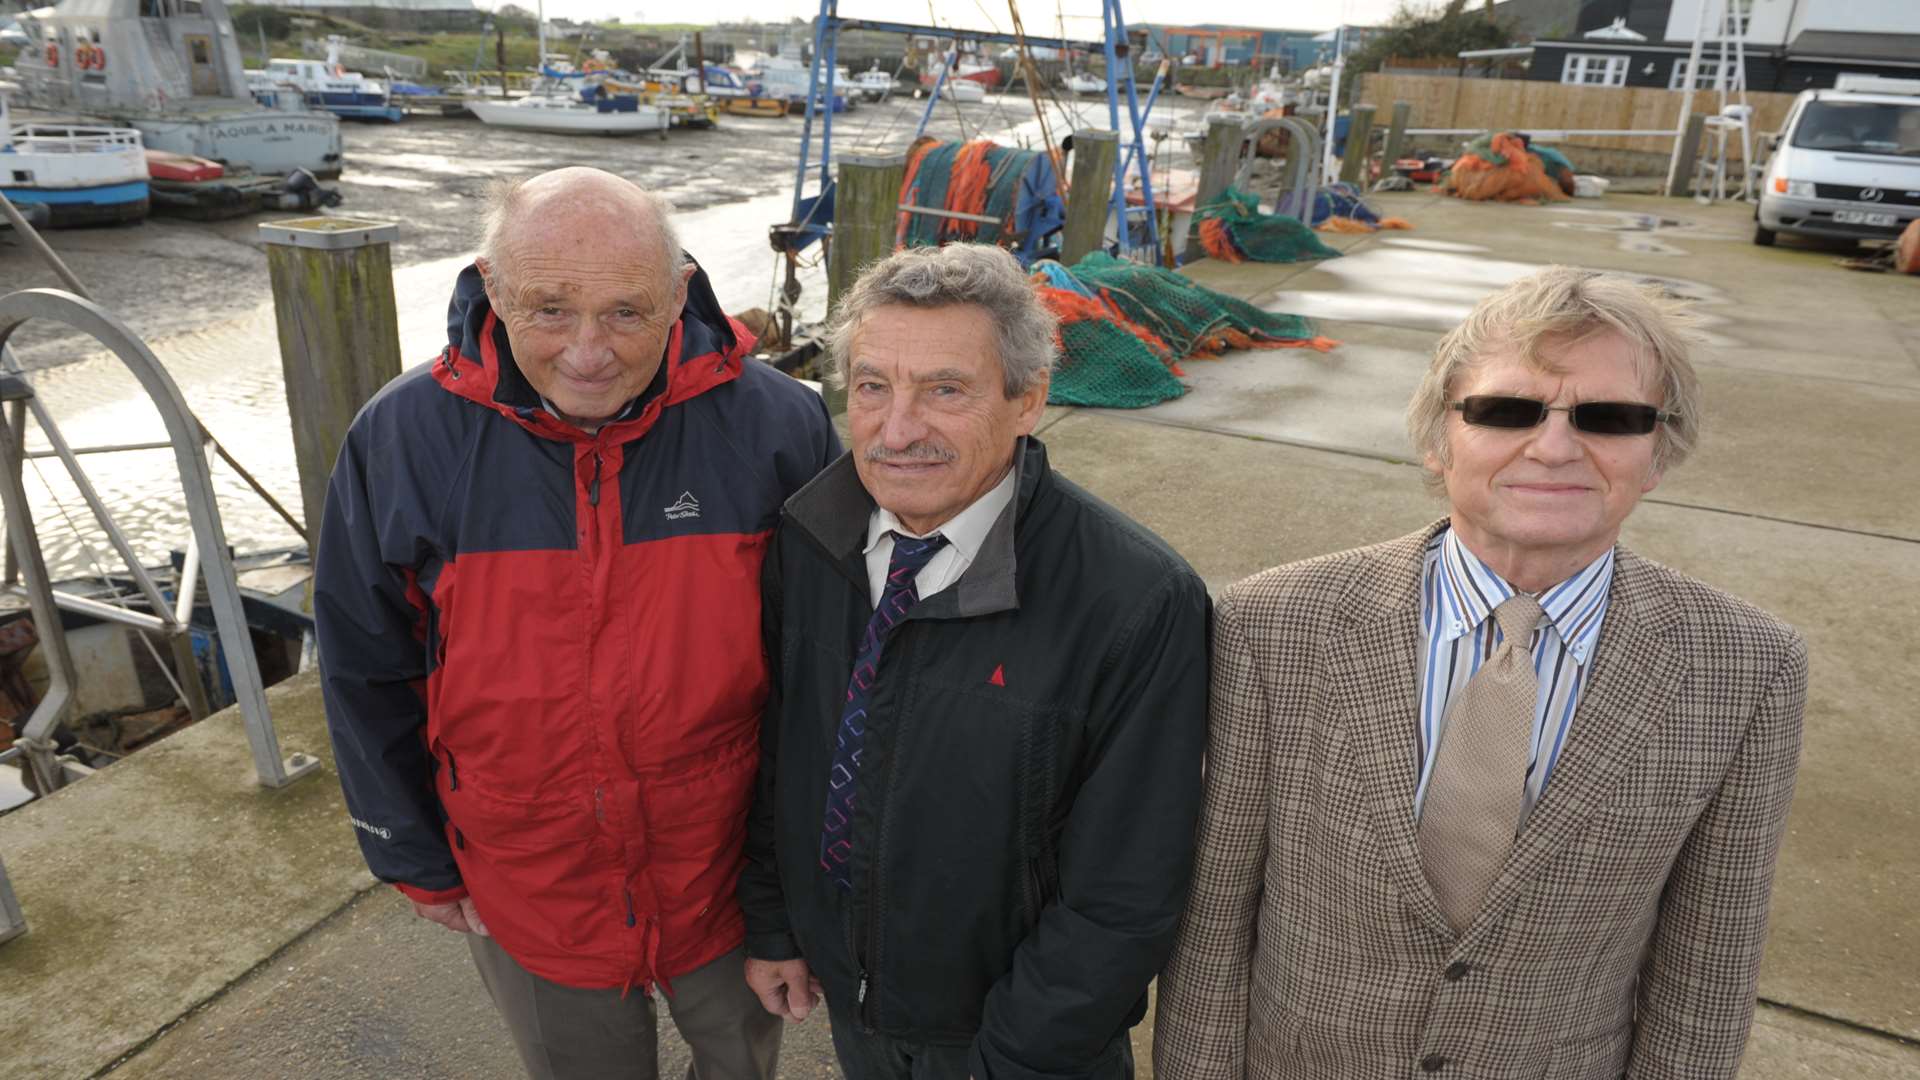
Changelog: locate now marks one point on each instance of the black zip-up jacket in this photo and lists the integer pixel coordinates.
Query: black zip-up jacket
(1023, 832)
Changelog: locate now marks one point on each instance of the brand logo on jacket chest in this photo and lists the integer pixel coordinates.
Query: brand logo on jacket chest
(686, 506)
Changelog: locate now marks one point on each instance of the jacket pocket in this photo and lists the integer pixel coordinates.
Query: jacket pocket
(1273, 1043)
(1603, 1055)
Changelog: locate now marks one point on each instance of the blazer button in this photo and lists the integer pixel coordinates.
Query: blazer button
(1457, 971)
(1432, 1063)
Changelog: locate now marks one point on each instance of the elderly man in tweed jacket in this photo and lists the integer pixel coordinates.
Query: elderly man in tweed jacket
(1500, 798)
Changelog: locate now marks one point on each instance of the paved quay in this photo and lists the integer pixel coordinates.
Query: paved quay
(187, 924)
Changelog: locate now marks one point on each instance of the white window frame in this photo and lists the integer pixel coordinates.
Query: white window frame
(1709, 71)
(1610, 67)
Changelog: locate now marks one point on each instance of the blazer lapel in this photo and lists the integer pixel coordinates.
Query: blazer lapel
(1635, 672)
(1374, 671)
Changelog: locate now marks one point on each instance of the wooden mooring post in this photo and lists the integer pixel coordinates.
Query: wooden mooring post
(1090, 194)
(1685, 158)
(1219, 162)
(1353, 163)
(339, 333)
(1396, 137)
(866, 216)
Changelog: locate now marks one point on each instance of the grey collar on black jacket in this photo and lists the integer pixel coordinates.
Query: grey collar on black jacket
(834, 508)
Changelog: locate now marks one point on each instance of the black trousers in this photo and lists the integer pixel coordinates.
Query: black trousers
(873, 1056)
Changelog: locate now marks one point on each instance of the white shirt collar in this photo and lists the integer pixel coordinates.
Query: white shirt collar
(965, 531)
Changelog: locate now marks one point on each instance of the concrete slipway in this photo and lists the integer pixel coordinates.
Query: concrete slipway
(188, 924)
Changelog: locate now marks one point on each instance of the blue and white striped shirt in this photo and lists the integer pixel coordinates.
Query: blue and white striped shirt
(1458, 594)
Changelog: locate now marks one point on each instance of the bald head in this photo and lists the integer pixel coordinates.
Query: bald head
(523, 214)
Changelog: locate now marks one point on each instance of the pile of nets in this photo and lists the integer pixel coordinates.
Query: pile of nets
(1125, 328)
(1338, 207)
(1233, 229)
(1501, 167)
(1018, 189)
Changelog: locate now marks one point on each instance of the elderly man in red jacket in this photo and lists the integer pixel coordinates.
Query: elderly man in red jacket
(537, 596)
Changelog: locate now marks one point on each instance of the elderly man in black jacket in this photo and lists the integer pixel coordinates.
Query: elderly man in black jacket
(980, 763)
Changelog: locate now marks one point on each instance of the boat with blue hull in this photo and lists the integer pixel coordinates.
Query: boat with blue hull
(73, 174)
(327, 86)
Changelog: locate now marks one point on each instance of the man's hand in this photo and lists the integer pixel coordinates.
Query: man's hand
(458, 915)
(785, 987)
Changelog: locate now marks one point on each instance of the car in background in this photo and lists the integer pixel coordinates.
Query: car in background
(1846, 164)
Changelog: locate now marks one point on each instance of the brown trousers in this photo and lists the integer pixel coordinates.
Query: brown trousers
(565, 1033)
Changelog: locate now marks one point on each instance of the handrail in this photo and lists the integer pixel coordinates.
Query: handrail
(29, 138)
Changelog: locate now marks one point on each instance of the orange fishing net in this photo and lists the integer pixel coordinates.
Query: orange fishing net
(1502, 171)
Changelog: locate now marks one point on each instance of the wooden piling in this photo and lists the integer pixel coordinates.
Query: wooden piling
(1396, 136)
(1353, 163)
(339, 333)
(1090, 198)
(866, 215)
(1680, 177)
(1219, 162)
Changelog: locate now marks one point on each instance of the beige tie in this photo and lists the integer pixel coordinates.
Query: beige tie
(1472, 806)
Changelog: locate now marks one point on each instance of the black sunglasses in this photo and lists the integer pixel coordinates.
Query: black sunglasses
(1592, 417)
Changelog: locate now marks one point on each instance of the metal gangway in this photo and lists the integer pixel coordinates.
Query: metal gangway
(207, 555)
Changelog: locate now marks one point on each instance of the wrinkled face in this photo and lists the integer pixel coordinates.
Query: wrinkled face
(933, 429)
(587, 306)
(1549, 497)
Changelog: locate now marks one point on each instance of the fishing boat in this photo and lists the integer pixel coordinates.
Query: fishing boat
(176, 77)
(564, 113)
(80, 175)
(328, 86)
(968, 66)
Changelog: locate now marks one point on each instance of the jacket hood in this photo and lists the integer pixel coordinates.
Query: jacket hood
(705, 348)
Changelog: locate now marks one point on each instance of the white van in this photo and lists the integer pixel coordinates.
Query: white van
(1846, 163)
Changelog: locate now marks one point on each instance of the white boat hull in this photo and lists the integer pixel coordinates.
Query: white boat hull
(269, 142)
(568, 120)
(81, 175)
(177, 78)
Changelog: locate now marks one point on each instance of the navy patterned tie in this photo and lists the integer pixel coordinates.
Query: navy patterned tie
(910, 556)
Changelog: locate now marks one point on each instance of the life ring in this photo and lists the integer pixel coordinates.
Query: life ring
(99, 58)
(53, 54)
(87, 56)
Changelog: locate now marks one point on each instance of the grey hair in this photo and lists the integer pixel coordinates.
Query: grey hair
(934, 277)
(1540, 315)
(503, 199)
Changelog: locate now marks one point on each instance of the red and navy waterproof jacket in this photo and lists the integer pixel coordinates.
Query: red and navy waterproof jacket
(541, 648)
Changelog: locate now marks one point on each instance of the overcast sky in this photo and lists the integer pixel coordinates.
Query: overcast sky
(1081, 16)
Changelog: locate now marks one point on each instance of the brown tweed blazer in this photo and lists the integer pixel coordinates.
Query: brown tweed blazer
(1623, 936)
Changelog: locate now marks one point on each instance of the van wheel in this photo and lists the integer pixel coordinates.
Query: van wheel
(1764, 236)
